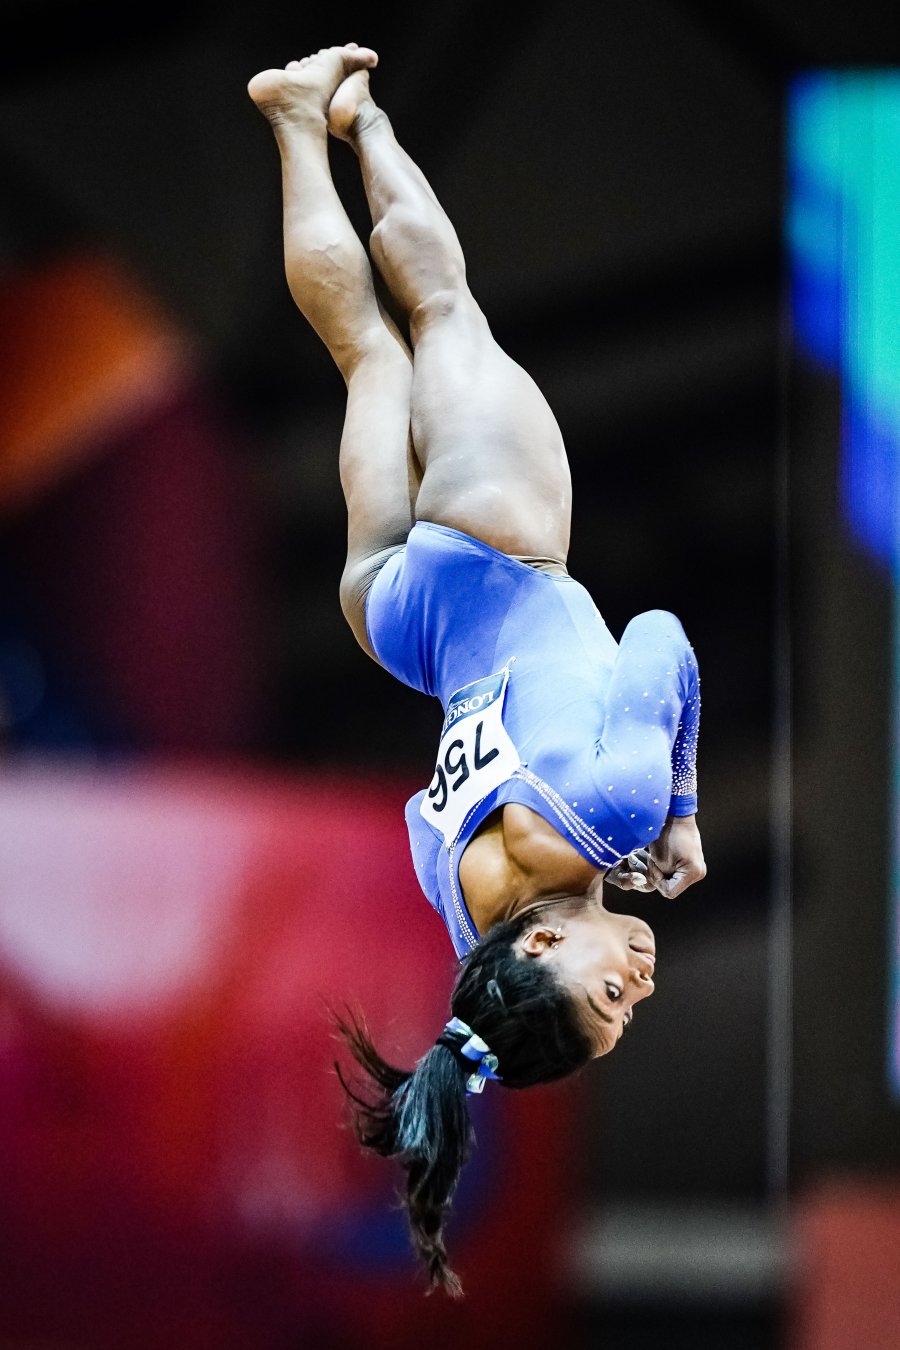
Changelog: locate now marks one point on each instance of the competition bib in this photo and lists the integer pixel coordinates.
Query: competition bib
(475, 755)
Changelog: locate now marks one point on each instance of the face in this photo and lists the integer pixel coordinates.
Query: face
(606, 960)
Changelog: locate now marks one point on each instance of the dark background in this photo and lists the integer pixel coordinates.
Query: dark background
(616, 174)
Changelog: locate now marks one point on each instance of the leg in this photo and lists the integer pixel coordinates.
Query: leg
(330, 279)
(493, 458)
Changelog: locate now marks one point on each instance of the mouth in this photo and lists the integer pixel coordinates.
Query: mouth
(645, 964)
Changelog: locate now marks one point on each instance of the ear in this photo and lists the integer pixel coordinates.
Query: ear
(539, 941)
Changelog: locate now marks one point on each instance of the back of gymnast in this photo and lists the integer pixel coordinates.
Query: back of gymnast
(565, 757)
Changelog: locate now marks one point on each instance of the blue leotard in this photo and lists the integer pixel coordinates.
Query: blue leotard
(542, 707)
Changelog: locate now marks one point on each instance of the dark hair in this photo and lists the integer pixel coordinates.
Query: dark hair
(420, 1117)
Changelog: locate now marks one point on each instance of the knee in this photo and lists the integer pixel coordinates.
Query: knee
(445, 304)
(441, 303)
(377, 355)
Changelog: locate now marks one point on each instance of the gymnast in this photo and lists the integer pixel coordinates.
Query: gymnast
(565, 758)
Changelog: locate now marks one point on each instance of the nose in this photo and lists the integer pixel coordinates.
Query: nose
(642, 964)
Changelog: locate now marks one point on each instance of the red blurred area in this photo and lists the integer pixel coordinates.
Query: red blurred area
(142, 571)
(175, 1169)
(847, 1278)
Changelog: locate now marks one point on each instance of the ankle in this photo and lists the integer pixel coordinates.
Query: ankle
(292, 122)
(369, 119)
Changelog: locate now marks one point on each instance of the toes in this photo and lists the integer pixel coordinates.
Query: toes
(355, 57)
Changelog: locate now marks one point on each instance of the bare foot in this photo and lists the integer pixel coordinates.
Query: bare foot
(351, 107)
(304, 89)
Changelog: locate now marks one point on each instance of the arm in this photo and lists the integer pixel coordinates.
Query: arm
(656, 641)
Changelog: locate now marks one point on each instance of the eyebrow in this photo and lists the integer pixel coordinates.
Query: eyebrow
(597, 1009)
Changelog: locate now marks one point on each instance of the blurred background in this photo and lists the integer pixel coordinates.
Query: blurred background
(681, 218)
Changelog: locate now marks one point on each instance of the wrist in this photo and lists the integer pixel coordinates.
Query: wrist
(686, 818)
(684, 805)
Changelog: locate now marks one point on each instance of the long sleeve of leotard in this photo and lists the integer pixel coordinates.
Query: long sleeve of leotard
(653, 708)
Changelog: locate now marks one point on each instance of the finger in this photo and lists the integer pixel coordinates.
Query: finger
(623, 880)
(630, 872)
(655, 875)
(676, 883)
(669, 887)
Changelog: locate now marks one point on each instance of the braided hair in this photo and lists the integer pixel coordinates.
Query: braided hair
(420, 1117)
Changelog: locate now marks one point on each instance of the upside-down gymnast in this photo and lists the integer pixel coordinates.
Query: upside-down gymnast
(565, 758)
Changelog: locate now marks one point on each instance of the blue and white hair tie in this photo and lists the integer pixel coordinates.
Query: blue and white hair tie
(478, 1052)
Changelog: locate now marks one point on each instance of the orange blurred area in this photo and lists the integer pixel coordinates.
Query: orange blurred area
(176, 1168)
(85, 351)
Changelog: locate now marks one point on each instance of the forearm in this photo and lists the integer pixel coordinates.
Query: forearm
(684, 752)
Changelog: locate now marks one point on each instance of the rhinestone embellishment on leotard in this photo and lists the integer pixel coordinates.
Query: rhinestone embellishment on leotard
(684, 759)
(600, 853)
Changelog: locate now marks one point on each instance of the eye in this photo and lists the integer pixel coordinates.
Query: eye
(613, 992)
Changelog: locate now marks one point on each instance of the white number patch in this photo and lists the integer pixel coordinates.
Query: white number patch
(475, 755)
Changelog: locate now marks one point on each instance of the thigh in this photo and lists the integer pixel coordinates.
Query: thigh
(494, 464)
(379, 473)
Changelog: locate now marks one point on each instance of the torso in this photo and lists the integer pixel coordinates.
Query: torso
(575, 787)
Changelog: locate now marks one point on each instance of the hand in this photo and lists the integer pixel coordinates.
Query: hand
(631, 873)
(673, 862)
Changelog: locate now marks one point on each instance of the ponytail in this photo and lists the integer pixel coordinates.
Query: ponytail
(420, 1117)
